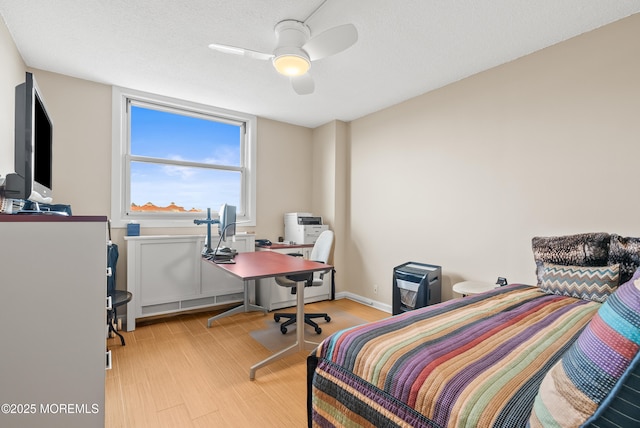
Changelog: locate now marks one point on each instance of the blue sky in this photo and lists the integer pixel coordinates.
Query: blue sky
(171, 136)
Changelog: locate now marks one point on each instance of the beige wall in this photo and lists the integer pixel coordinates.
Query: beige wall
(330, 185)
(12, 71)
(81, 112)
(81, 115)
(285, 161)
(462, 177)
(465, 176)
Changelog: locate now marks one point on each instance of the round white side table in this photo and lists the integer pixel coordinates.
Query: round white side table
(472, 287)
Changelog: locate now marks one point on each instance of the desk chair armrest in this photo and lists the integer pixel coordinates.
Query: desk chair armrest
(305, 277)
(301, 277)
(323, 271)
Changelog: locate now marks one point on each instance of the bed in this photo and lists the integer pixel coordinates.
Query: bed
(563, 352)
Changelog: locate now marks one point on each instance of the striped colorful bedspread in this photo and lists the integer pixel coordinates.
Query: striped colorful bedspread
(471, 362)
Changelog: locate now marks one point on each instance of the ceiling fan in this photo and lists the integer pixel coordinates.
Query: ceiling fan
(296, 49)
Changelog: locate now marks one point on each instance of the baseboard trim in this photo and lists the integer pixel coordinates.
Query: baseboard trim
(364, 300)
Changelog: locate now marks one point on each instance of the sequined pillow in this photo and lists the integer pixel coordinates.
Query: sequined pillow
(584, 249)
(624, 251)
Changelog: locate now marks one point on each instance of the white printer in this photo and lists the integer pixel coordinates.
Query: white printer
(303, 228)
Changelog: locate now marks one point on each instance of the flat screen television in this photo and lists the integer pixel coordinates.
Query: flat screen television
(32, 179)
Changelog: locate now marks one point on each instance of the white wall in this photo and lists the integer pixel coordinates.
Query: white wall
(465, 176)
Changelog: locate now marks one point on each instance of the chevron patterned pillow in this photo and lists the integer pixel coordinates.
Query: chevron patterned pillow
(582, 282)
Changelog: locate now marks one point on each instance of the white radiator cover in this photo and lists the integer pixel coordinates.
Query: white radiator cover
(166, 274)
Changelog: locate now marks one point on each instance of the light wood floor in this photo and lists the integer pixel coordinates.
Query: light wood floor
(176, 372)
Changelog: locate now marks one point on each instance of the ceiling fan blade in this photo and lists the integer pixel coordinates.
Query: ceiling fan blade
(331, 42)
(240, 51)
(303, 85)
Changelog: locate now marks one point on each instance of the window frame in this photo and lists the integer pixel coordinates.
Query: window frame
(121, 158)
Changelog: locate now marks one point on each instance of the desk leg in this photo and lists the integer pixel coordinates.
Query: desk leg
(300, 344)
(245, 307)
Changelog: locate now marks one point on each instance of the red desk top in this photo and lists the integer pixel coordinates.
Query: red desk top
(267, 264)
(33, 218)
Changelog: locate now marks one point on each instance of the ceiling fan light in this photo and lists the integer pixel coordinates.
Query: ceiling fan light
(291, 65)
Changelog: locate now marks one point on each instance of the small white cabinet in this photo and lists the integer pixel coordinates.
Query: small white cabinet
(53, 312)
(167, 274)
(272, 296)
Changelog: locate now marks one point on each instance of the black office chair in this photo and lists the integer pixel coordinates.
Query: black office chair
(118, 297)
(320, 253)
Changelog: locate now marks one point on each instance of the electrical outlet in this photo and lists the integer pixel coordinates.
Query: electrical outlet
(375, 289)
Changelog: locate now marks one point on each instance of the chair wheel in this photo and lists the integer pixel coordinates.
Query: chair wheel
(318, 330)
(276, 318)
(327, 318)
(283, 330)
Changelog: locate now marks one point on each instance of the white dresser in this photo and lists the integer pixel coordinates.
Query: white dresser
(272, 296)
(166, 274)
(53, 310)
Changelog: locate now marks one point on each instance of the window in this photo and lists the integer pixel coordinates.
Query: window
(174, 159)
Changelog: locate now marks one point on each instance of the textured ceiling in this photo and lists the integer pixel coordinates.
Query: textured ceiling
(405, 47)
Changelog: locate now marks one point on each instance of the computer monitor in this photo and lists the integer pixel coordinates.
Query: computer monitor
(227, 226)
(32, 179)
